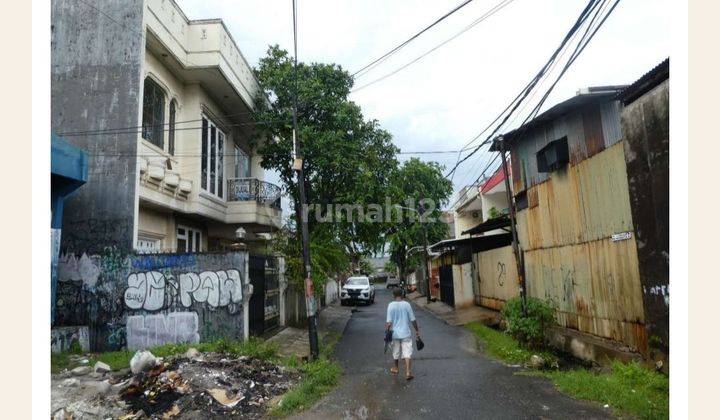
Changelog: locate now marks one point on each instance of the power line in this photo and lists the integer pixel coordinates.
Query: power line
(102, 130)
(140, 131)
(428, 152)
(588, 35)
(487, 14)
(515, 103)
(142, 36)
(401, 45)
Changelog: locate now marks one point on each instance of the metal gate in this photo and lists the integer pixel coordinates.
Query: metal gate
(264, 302)
(257, 300)
(447, 290)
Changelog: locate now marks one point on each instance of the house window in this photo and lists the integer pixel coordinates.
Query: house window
(171, 127)
(213, 146)
(242, 163)
(147, 245)
(153, 119)
(188, 239)
(553, 156)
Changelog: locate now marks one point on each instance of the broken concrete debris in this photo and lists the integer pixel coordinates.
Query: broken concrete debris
(101, 367)
(81, 370)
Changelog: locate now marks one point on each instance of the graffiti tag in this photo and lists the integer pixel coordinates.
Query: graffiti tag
(502, 275)
(151, 330)
(216, 288)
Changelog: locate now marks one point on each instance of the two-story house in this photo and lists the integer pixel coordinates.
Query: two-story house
(172, 225)
(192, 181)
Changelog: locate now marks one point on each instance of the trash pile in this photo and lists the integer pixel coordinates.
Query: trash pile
(191, 386)
(206, 385)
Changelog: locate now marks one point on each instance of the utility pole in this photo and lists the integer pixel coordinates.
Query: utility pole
(513, 226)
(425, 254)
(310, 302)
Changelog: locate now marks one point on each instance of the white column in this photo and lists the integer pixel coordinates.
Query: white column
(282, 282)
(247, 294)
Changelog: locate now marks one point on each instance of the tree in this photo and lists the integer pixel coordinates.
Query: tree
(421, 186)
(347, 160)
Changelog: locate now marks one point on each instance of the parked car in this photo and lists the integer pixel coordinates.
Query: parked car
(357, 289)
(392, 281)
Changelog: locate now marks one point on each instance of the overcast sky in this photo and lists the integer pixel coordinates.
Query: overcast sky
(445, 99)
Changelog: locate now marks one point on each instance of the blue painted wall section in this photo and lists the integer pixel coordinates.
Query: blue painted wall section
(68, 172)
(140, 301)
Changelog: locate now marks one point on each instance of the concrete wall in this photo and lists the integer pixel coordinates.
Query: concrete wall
(497, 277)
(96, 84)
(645, 125)
(138, 301)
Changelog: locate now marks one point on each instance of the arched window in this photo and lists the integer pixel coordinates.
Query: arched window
(153, 121)
(171, 128)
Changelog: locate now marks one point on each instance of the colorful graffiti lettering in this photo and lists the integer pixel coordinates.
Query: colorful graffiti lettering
(150, 330)
(154, 262)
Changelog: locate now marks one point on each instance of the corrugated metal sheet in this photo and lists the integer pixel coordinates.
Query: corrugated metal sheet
(610, 114)
(497, 276)
(589, 130)
(569, 256)
(587, 202)
(596, 286)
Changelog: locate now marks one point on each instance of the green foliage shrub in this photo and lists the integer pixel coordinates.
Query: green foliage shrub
(530, 326)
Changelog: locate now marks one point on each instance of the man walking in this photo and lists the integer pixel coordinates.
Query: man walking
(399, 317)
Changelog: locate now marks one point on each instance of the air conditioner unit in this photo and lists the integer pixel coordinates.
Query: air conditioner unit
(553, 156)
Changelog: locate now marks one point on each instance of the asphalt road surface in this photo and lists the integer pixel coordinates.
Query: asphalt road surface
(452, 379)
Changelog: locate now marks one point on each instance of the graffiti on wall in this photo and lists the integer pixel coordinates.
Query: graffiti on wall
(216, 288)
(127, 299)
(150, 330)
(62, 339)
(154, 262)
(85, 269)
(148, 290)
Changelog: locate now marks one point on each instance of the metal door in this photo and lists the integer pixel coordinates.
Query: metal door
(447, 290)
(257, 300)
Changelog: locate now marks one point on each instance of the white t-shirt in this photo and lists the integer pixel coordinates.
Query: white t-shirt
(400, 315)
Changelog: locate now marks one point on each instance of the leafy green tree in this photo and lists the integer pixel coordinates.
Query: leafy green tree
(347, 159)
(421, 186)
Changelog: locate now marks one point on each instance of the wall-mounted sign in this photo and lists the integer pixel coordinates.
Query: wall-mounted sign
(621, 236)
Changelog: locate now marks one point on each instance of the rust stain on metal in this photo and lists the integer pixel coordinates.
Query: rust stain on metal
(570, 257)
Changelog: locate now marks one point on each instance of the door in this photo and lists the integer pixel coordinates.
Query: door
(257, 300)
(447, 290)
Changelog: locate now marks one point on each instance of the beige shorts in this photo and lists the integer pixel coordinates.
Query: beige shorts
(402, 348)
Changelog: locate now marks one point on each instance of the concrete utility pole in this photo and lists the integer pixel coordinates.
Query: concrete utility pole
(310, 302)
(513, 227)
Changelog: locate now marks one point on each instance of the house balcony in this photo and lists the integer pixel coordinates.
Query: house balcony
(253, 201)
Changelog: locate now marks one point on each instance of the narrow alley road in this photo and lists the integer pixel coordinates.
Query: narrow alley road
(452, 380)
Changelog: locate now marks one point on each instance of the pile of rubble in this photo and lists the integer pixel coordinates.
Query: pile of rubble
(192, 386)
